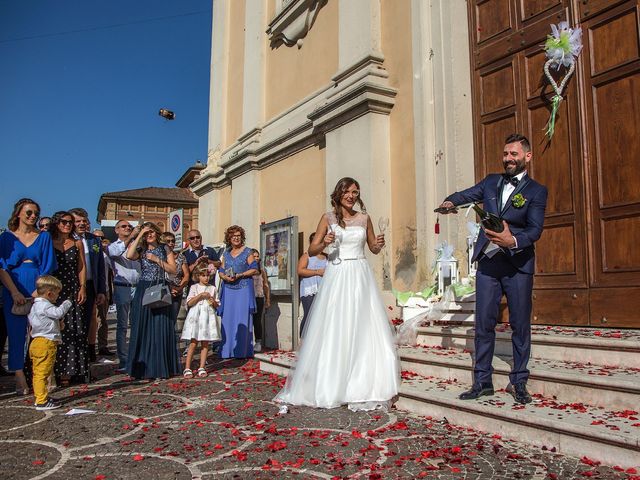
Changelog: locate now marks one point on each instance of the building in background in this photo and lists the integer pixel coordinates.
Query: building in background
(151, 204)
(414, 99)
(190, 174)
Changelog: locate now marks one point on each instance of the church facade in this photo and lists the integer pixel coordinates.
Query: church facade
(414, 100)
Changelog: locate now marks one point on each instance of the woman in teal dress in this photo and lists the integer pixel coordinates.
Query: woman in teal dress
(153, 352)
(237, 298)
(25, 254)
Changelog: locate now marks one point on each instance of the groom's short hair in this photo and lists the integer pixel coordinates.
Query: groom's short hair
(516, 137)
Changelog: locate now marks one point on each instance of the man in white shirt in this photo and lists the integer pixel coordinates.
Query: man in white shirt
(125, 278)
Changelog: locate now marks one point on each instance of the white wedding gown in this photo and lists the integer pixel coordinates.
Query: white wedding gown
(348, 354)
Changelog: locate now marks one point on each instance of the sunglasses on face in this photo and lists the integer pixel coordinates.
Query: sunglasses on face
(66, 222)
(173, 242)
(125, 226)
(32, 213)
(195, 238)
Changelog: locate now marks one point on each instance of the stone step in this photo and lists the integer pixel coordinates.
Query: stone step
(569, 382)
(617, 348)
(604, 435)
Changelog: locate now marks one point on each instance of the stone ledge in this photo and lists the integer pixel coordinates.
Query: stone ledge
(545, 344)
(589, 431)
(358, 90)
(566, 381)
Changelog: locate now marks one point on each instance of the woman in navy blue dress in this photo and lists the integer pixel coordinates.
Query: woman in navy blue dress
(153, 352)
(237, 297)
(25, 254)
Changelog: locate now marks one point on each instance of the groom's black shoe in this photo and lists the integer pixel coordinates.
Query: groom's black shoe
(519, 392)
(478, 390)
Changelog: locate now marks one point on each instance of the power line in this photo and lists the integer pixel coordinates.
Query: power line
(104, 27)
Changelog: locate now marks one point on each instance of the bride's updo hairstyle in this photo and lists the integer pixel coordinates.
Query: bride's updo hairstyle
(341, 188)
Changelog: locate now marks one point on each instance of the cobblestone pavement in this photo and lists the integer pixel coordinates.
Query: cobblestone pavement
(226, 426)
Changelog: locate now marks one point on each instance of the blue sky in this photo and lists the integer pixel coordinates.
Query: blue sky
(81, 83)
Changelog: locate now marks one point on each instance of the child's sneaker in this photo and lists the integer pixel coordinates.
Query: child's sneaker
(48, 405)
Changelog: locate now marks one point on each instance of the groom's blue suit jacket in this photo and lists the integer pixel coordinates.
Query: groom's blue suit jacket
(525, 222)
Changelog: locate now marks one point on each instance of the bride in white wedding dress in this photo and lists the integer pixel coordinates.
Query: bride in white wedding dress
(348, 355)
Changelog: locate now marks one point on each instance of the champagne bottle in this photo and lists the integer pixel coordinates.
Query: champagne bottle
(489, 220)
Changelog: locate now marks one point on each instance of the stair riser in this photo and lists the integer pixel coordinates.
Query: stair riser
(531, 434)
(564, 393)
(564, 353)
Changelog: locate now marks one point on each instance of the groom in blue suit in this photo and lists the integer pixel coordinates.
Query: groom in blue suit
(506, 262)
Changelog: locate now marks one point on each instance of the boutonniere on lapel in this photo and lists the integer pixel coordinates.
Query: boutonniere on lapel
(518, 200)
(95, 247)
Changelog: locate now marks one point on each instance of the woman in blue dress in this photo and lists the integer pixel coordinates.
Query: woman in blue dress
(25, 254)
(237, 298)
(153, 352)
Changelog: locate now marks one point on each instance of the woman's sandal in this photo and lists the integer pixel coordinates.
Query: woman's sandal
(187, 373)
(202, 373)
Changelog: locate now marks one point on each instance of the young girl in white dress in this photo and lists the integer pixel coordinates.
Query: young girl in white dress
(201, 324)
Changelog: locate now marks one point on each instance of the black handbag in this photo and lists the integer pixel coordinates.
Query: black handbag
(157, 296)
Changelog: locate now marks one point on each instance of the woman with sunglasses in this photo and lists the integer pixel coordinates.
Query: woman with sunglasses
(25, 254)
(72, 358)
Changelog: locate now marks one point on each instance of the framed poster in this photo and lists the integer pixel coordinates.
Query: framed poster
(278, 242)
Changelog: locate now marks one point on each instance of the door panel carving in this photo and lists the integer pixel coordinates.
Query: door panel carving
(618, 235)
(498, 89)
(531, 8)
(615, 42)
(560, 240)
(560, 307)
(589, 8)
(617, 116)
(625, 313)
(493, 17)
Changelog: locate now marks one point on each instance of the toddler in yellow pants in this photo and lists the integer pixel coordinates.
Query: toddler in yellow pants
(46, 324)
